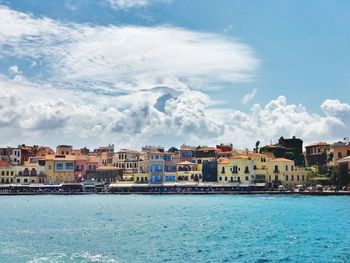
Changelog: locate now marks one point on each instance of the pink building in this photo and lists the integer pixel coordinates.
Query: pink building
(84, 165)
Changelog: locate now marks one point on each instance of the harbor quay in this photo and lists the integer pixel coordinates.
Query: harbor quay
(283, 167)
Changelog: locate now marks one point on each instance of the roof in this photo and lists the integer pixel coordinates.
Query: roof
(185, 163)
(344, 160)
(207, 149)
(339, 144)
(318, 144)
(107, 167)
(281, 160)
(240, 156)
(53, 157)
(4, 163)
(223, 160)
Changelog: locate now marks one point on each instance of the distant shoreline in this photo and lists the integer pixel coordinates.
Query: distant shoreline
(340, 193)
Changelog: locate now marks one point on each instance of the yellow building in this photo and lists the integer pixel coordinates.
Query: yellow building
(260, 166)
(338, 151)
(238, 169)
(60, 168)
(143, 178)
(282, 171)
(188, 172)
(8, 172)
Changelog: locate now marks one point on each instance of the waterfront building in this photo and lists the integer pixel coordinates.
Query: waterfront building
(316, 154)
(186, 153)
(8, 172)
(284, 172)
(260, 166)
(60, 168)
(345, 161)
(238, 169)
(85, 167)
(105, 174)
(338, 151)
(143, 178)
(13, 155)
(204, 154)
(127, 161)
(154, 166)
(188, 172)
(32, 171)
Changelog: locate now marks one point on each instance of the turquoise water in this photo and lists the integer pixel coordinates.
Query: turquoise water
(179, 228)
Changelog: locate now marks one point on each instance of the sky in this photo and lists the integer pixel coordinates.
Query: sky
(168, 72)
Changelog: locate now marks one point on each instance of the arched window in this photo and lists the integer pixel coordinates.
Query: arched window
(33, 172)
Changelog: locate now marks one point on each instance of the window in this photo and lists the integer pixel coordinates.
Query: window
(239, 179)
(339, 155)
(234, 169)
(231, 179)
(7, 173)
(292, 177)
(199, 161)
(18, 180)
(276, 177)
(298, 178)
(3, 173)
(287, 177)
(255, 167)
(269, 178)
(303, 177)
(286, 167)
(220, 178)
(247, 178)
(59, 166)
(225, 178)
(246, 170)
(11, 173)
(69, 166)
(292, 167)
(25, 180)
(276, 169)
(222, 170)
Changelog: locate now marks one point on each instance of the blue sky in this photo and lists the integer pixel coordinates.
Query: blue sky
(295, 49)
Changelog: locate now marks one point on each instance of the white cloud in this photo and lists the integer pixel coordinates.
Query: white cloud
(249, 97)
(131, 120)
(127, 4)
(130, 86)
(127, 57)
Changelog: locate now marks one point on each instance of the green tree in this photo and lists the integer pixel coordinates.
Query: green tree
(173, 150)
(289, 155)
(340, 176)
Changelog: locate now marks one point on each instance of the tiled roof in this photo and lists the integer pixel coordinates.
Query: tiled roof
(281, 160)
(223, 160)
(241, 156)
(318, 144)
(4, 163)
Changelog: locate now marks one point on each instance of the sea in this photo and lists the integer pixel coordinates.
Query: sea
(174, 228)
